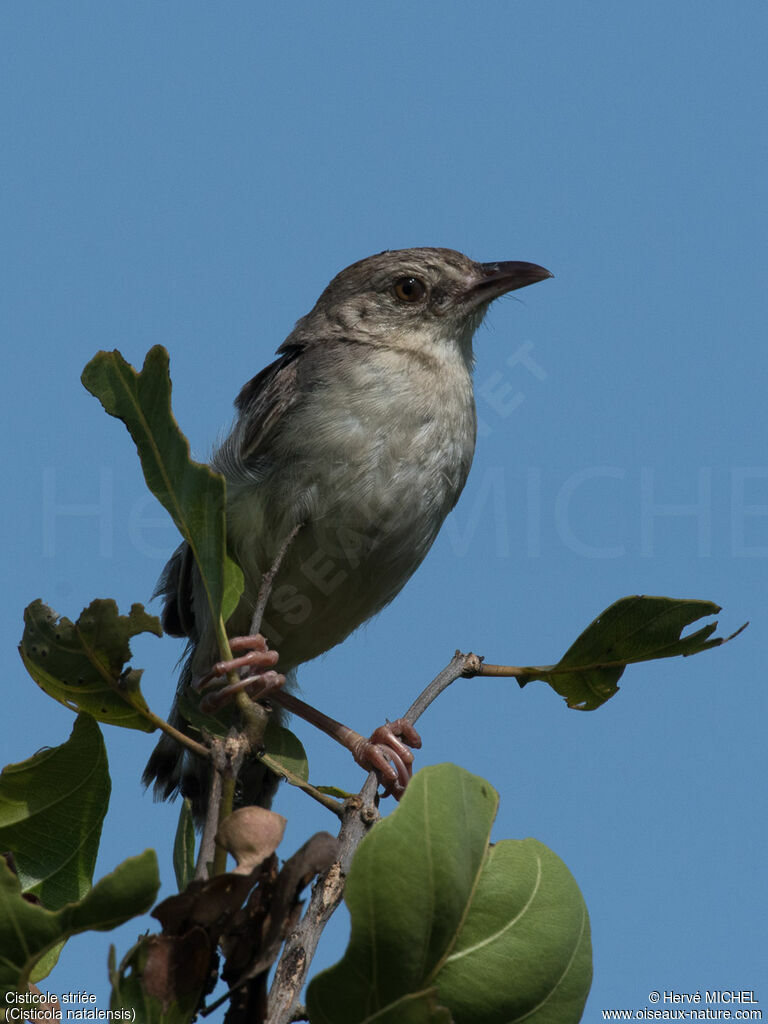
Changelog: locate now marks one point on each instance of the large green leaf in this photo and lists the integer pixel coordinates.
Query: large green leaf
(441, 919)
(51, 811)
(632, 629)
(524, 949)
(82, 664)
(420, 1008)
(191, 492)
(28, 931)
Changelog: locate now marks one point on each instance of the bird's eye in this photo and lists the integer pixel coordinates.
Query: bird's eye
(410, 289)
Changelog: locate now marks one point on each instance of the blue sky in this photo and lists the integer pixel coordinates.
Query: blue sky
(193, 175)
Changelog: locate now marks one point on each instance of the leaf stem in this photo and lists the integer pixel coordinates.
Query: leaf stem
(336, 806)
(180, 737)
(502, 670)
(225, 809)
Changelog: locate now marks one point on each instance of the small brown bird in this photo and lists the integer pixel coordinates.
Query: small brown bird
(362, 434)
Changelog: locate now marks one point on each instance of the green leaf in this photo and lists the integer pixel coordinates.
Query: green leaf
(632, 629)
(421, 1008)
(492, 934)
(82, 664)
(283, 749)
(524, 949)
(190, 491)
(340, 794)
(184, 846)
(51, 811)
(28, 931)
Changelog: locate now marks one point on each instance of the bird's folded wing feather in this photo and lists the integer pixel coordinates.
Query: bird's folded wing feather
(262, 404)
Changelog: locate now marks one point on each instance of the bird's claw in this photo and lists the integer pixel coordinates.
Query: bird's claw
(258, 677)
(386, 753)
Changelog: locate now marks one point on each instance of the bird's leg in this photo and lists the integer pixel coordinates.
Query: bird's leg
(384, 752)
(255, 668)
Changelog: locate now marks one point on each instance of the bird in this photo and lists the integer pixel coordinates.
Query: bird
(355, 443)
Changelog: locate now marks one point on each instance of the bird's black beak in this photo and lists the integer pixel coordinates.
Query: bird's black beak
(499, 278)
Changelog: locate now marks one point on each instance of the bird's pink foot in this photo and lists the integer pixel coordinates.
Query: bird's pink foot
(255, 668)
(386, 753)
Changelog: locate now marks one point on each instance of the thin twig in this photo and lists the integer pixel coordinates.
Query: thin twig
(225, 759)
(220, 853)
(459, 665)
(207, 841)
(255, 721)
(180, 737)
(330, 804)
(265, 587)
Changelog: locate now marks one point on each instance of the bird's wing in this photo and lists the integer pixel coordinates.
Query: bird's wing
(260, 405)
(263, 402)
(176, 586)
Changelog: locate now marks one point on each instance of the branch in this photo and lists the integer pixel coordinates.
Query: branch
(207, 850)
(255, 719)
(227, 756)
(360, 814)
(268, 579)
(466, 665)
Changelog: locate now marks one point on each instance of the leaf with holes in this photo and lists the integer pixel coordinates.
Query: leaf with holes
(82, 664)
(631, 630)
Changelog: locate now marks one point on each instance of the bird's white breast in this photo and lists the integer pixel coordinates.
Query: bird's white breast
(371, 461)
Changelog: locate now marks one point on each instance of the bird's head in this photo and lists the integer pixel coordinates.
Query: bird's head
(413, 298)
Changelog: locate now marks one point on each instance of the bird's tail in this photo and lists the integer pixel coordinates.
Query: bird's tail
(172, 769)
